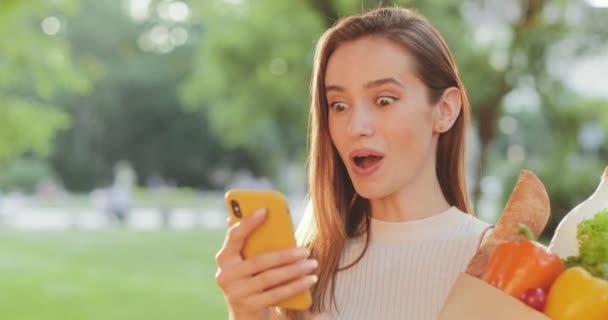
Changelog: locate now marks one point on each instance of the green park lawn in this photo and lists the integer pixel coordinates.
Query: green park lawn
(112, 274)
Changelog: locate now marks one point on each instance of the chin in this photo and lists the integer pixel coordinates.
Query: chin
(370, 191)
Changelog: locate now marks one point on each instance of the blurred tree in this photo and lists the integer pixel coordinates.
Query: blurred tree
(132, 113)
(520, 62)
(35, 67)
(528, 93)
(252, 71)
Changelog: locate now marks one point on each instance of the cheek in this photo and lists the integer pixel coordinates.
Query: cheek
(409, 135)
(404, 135)
(332, 130)
(336, 133)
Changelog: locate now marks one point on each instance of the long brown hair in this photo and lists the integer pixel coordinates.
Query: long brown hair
(338, 213)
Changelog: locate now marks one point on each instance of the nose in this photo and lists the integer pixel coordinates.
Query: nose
(361, 121)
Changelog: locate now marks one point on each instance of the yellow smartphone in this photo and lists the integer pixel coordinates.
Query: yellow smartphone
(275, 233)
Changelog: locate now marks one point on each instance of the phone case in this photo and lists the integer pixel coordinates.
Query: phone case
(275, 233)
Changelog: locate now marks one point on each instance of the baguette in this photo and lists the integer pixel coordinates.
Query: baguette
(528, 204)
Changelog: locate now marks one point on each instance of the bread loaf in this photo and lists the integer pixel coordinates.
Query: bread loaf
(528, 204)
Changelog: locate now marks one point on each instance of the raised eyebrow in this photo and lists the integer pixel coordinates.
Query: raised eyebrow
(371, 84)
(334, 88)
(379, 82)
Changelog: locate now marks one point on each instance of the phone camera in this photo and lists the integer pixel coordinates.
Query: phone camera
(236, 209)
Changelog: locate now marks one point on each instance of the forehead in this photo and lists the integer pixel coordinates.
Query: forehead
(369, 58)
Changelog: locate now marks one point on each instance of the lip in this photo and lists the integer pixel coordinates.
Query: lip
(365, 152)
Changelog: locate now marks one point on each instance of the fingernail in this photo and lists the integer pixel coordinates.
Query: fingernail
(309, 264)
(314, 263)
(301, 252)
(311, 279)
(259, 213)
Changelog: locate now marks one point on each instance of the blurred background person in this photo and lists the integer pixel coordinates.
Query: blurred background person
(121, 191)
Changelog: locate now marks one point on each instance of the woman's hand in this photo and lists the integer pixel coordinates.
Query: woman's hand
(251, 286)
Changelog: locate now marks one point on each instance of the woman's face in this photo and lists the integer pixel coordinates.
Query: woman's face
(380, 118)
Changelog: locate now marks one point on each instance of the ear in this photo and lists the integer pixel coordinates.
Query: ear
(447, 110)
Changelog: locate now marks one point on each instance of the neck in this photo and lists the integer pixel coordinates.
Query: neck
(420, 198)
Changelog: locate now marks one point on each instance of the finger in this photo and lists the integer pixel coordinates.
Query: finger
(280, 293)
(271, 260)
(233, 271)
(238, 233)
(274, 277)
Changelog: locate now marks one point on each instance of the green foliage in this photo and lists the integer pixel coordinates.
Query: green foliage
(254, 84)
(27, 126)
(25, 175)
(34, 69)
(133, 112)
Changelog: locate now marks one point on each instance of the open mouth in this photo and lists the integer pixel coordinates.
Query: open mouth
(366, 161)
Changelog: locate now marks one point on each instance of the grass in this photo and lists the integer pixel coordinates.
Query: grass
(114, 274)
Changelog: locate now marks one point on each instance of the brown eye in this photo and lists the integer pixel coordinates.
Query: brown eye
(338, 106)
(385, 101)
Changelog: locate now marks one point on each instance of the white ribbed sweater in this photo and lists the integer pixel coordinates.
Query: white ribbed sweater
(408, 269)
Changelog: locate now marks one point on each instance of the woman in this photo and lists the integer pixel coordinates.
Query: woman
(389, 234)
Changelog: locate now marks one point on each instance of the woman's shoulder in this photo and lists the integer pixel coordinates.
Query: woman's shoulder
(480, 228)
(474, 227)
(473, 220)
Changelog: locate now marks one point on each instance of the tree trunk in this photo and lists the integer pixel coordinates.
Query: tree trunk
(489, 112)
(487, 118)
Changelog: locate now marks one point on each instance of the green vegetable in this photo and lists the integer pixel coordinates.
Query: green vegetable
(592, 235)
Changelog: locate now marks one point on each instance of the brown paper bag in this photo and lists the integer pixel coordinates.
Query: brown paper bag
(474, 299)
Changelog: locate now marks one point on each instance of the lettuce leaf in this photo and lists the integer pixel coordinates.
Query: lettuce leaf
(592, 235)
